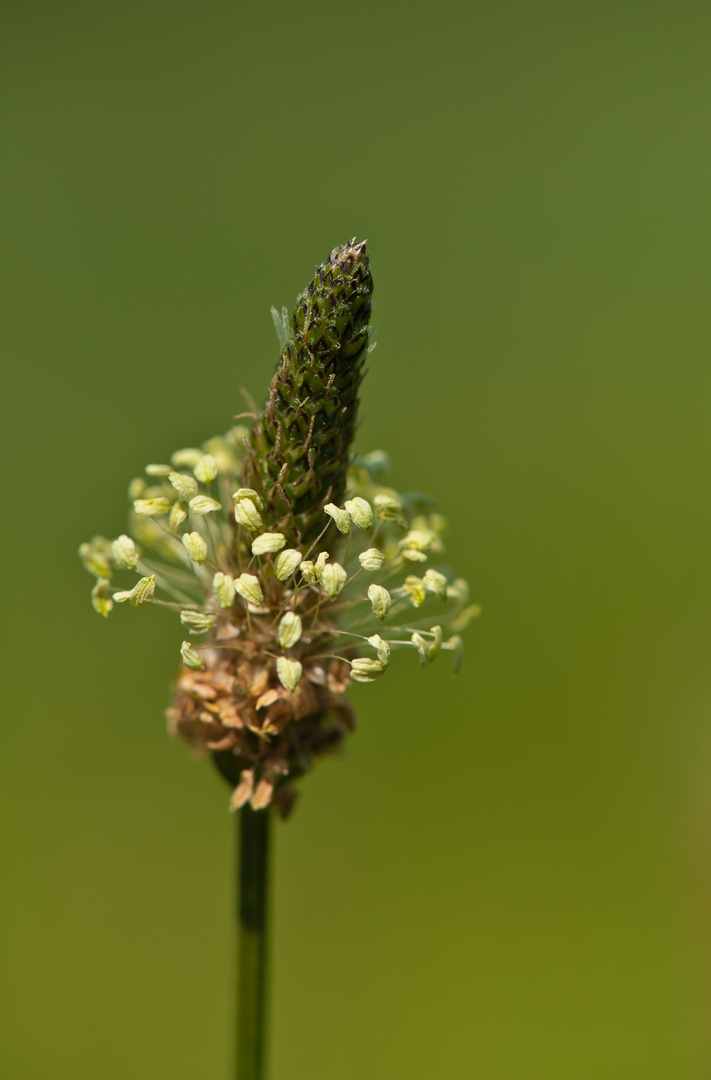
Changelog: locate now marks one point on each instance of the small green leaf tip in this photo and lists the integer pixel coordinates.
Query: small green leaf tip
(301, 445)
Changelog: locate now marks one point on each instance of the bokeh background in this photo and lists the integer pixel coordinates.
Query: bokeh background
(508, 875)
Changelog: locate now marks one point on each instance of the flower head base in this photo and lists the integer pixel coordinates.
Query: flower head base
(288, 566)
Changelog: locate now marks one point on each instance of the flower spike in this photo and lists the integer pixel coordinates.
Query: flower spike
(286, 558)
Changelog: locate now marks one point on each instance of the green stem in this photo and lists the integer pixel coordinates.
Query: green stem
(251, 942)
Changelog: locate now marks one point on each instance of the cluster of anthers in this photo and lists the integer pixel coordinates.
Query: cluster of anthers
(275, 628)
(275, 634)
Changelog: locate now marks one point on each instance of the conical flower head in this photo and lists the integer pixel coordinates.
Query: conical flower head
(301, 445)
(291, 572)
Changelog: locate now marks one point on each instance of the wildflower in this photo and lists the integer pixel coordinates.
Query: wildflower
(238, 537)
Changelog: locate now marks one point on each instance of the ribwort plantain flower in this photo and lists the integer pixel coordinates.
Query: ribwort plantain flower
(292, 568)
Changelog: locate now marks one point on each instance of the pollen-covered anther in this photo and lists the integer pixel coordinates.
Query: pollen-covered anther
(187, 457)
(418, 543)
(308, 571)
(340, 517)
(248, 587)
(178, 514)
(414, 589)
(267, 543)
(381, 647)
(223, 587)
(289, 672)
(290, 628)
(186, 486)
(286, 563)
(197, 622)
(364, 669)
(333, 577)
(458, 591)
(206, 469)
(141, 594)
(360, 511)
(152, 507)
(372, 559)
(203, 504)
(190, 657)
(436, 583)
(96, 556)
(101, 597)
(157, 470)
(124, 552)
(247, 504)
(380, 600)
(196, 547)
(436, 644)
(387, 506)
(319, 566)
(422, 648)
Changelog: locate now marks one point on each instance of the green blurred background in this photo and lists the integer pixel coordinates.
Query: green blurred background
(509, 875)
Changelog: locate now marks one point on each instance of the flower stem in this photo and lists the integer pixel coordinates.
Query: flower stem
(251, 913)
